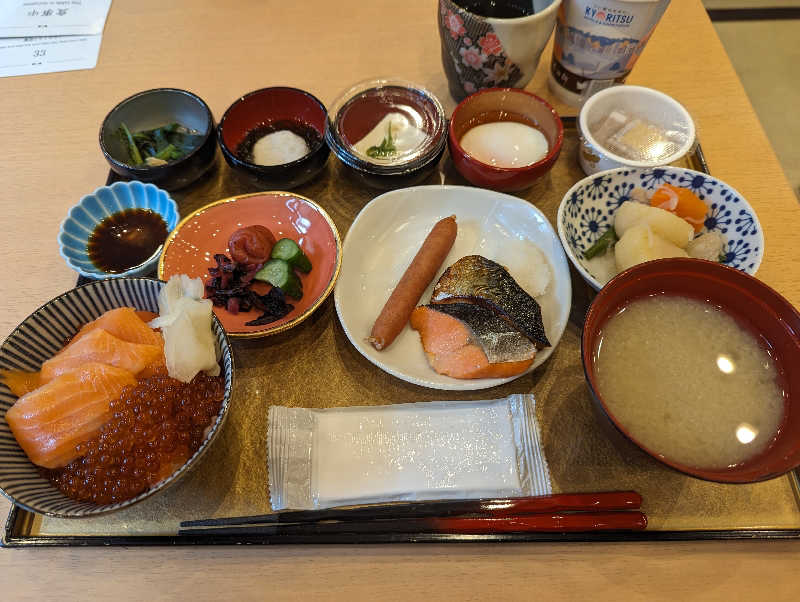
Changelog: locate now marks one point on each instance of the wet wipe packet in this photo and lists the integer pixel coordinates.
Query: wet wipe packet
(405, 452)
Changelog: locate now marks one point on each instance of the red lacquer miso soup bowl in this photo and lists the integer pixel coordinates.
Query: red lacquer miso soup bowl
(280, 110)
(756, 308)
(498, 105)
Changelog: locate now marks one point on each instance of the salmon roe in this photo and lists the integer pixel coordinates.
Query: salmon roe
(155, 428)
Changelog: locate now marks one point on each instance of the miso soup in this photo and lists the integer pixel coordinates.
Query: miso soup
(688, 382)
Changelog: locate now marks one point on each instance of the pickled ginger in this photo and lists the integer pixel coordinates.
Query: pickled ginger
(185, 323)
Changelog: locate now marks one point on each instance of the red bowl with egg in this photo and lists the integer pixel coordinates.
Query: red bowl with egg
(496, 105)
(755, 307)
(266, 111)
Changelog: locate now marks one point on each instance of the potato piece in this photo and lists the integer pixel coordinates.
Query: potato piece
(602, 267)
(667, 225)
(629, 214)
(640, 244)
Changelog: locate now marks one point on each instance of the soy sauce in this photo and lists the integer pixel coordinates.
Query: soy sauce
(126, 239)
(497, 9)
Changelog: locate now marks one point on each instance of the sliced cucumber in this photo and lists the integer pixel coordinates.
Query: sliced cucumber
(288, 250)
(279, 273)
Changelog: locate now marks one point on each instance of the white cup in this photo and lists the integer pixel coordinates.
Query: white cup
(597, 42)
(647, 104)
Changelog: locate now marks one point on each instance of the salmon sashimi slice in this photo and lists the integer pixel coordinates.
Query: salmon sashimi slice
(123, 326)
(157, 368)
(124, 323)
(103, 347)
(463, 340)
(50, 422)
(145, 316)
(19, 382)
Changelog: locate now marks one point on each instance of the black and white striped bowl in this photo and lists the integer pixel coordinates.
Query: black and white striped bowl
(41, 336)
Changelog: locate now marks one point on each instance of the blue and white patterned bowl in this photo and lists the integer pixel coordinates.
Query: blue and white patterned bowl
(587, 211)
(41, 336)
(83, 218)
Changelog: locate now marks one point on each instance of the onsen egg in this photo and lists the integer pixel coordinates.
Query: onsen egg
(505, 144)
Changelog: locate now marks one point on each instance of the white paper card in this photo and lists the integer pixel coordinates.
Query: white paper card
(24, 56)
(20, 18)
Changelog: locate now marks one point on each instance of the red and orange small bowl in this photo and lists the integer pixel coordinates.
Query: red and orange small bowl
(754, 305)
(190, 249)
(510, 104)
(274, 106)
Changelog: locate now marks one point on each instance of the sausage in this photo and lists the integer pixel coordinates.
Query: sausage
(415, 280)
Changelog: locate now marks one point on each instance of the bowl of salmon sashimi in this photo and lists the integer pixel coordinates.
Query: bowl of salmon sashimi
(109, 393)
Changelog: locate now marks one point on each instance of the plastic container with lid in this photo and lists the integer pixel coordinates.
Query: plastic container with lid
(390, 133)
(633, 126)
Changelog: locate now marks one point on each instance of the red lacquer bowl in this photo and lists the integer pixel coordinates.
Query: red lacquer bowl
(191, 247)
(754, 306)
(271, 106)
(501, 103)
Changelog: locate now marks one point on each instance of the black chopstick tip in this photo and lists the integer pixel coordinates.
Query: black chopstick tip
(236, 520)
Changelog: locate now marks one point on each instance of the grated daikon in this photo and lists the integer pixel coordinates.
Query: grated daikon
(278, 148)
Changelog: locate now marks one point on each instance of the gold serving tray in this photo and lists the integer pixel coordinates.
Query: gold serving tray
(314, 365)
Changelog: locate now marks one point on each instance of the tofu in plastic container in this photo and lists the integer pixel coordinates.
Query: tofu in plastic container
(633, 126)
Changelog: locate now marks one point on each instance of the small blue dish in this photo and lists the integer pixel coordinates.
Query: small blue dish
(587, 211)
(83, 218)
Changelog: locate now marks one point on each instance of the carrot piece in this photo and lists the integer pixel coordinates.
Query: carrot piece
(682, 202)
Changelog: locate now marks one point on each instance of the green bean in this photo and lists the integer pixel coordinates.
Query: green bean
(601, 245)
(133, 150)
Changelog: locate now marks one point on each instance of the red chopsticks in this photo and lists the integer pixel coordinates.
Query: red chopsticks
(617, 510)
(579, 521)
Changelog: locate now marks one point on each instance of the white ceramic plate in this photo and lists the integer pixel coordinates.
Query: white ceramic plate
(389, 231)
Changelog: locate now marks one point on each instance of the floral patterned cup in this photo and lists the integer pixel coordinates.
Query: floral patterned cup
(487, 52)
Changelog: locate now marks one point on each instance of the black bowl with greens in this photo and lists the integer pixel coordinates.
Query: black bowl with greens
(165, 136)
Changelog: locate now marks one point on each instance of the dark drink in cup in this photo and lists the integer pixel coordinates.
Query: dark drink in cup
(497, 9)
(493, 43)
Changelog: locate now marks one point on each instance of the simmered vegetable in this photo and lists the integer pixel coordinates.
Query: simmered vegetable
(640, 244)
(601, 245)
(682, 202)
(665, 224)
